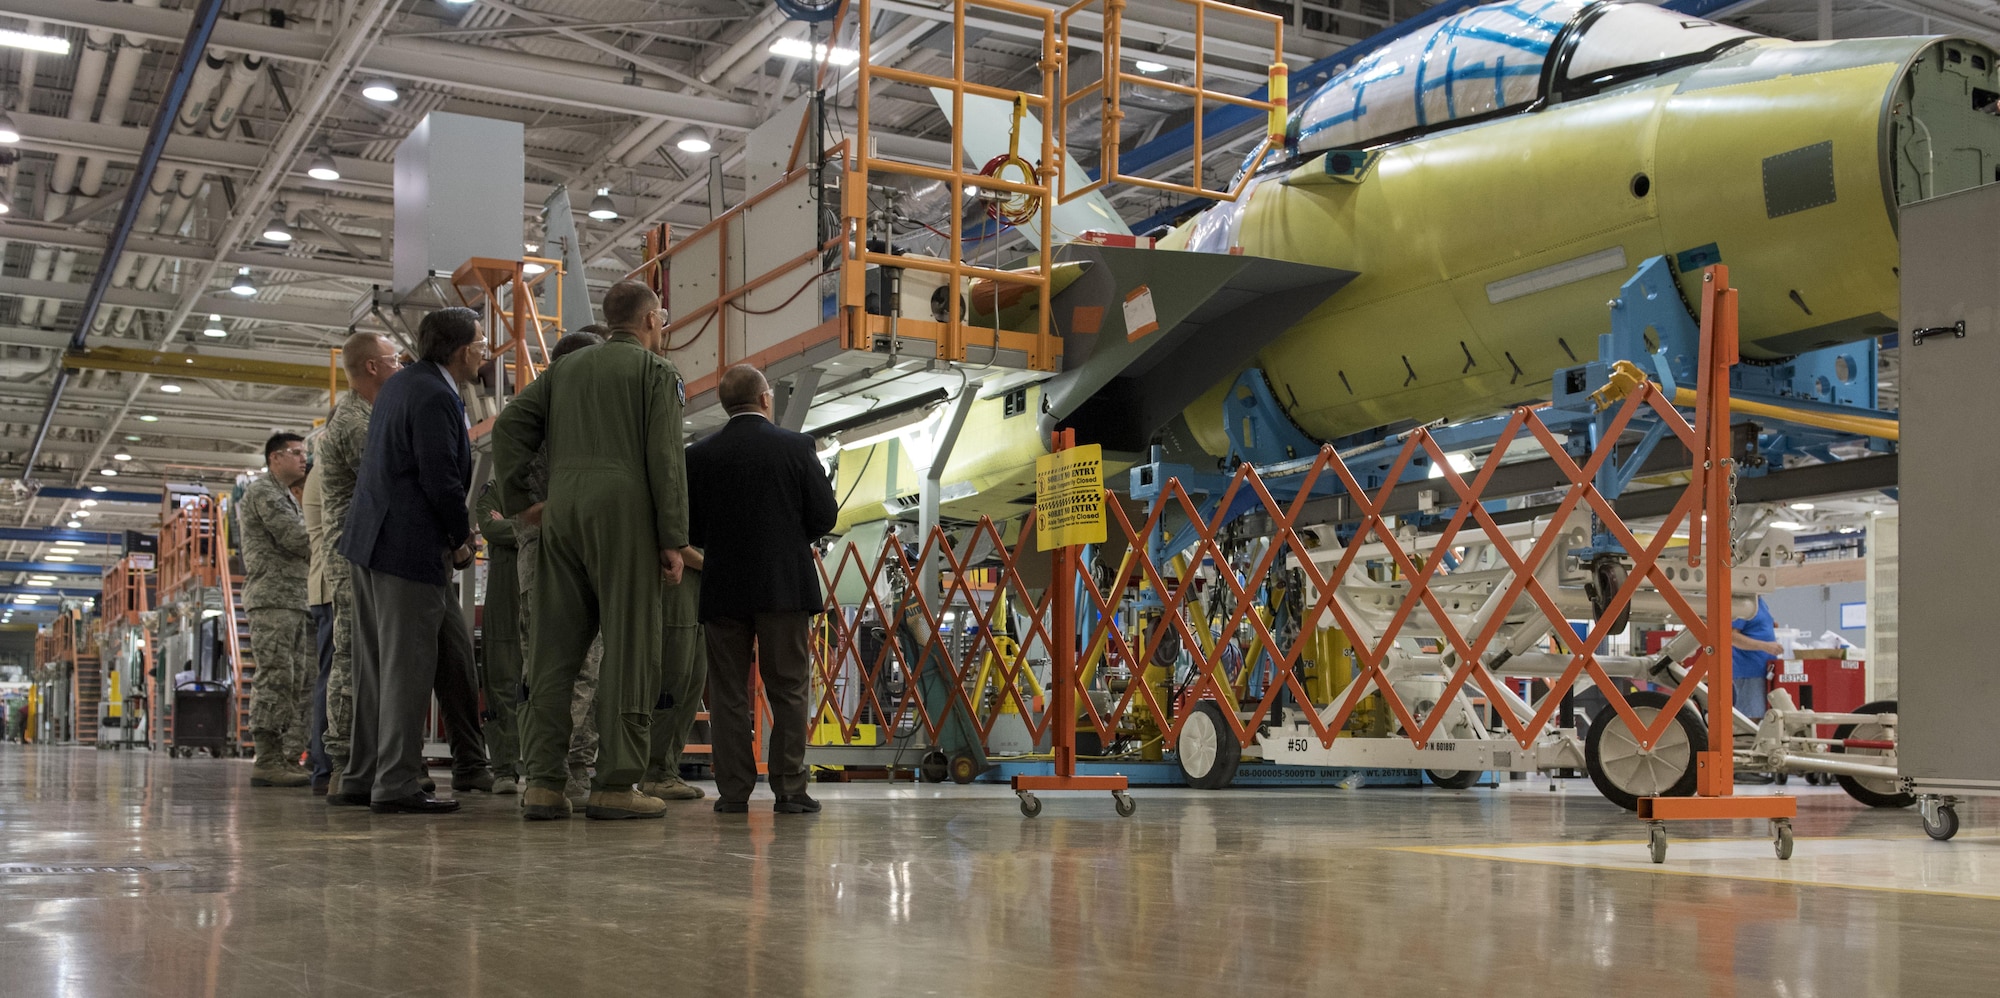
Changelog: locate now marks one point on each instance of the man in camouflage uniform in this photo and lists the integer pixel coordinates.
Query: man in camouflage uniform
(276, 554)
(528, 546)
(369, 359)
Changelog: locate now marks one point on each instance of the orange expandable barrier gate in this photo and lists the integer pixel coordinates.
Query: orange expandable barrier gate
(984, 662)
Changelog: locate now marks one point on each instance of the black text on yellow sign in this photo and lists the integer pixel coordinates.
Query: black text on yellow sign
(1069, 498)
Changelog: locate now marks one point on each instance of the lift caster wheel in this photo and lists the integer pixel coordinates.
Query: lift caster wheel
(1656, 841)
(1124, 803)
(1783, 828)
(1944, 825)
(1030, 805)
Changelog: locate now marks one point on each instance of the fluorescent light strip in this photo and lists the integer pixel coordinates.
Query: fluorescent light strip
(34, 43)
(799, 48)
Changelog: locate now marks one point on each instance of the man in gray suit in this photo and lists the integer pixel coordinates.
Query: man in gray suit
(407, 532)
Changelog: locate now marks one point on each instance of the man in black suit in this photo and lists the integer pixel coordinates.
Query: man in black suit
(406, 532)
(758, 501)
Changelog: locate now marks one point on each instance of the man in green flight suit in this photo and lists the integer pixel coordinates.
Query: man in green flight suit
(683, 676)
(612, 530)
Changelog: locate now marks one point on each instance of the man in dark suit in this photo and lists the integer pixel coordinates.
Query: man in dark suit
(406, 532)
(758, 500)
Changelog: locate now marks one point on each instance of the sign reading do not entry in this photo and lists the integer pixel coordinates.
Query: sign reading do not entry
(1069, 497)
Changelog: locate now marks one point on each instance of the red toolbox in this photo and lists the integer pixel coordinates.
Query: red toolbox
(1827, 684)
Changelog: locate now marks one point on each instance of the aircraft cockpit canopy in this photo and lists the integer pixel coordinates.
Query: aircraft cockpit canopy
(1495, 59)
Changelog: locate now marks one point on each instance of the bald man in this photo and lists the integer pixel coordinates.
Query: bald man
(369, 359)
(758, 501)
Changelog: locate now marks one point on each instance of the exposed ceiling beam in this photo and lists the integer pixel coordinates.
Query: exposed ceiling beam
(65, 236)
(496, 71)
(51, 339)
(365, 177)
(239, 308)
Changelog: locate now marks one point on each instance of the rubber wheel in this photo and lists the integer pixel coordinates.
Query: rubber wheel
(1947, 824)
(1452, 779)
(1784, 841)
(1124, 804)
(1208, 750)
(1623, 772)
(1030, 805)
(964, 769)
(1656, 843)
(1872, 792)
(933, 767)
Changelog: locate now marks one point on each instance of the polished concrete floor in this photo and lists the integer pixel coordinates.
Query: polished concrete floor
(911, 891)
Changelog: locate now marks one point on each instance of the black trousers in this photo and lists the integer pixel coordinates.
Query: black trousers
(776, 645)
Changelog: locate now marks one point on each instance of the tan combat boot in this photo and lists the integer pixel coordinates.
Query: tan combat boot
(671, 788)
(607, 805)
(269, 768)
(540, 804)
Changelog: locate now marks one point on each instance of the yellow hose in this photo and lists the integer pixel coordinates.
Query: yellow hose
(1626, 376)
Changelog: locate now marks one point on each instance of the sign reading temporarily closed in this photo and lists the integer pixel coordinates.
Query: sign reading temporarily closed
(1069, 497)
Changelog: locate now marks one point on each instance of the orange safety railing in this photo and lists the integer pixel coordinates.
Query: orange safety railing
(505, 290)
(126, 600)
(1027, 192)
(1109, 87)
(707, 333)
(1094, 623)
(188, 552)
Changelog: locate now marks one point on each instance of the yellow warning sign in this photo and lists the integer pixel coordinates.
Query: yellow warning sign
(1069, 497)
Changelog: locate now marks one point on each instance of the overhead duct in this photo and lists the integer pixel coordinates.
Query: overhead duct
(90, 65)
(117, 96)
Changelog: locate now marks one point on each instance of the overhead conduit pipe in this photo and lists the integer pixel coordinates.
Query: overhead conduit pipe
(204, 105)
(90, 66)
(117, 96)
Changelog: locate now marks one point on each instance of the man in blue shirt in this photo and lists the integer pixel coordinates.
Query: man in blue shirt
(1754, 647)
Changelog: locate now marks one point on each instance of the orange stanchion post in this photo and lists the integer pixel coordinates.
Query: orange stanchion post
(1063, 684)
(1715, 467)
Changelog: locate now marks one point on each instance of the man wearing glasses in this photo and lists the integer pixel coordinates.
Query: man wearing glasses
(276, 554)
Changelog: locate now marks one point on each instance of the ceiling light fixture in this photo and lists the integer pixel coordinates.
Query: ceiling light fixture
(99, 488)
(1787, 525)
(322, 167)
(8, 133)
(243, 285)
(80, 513)
(121, 457)
(1802, 505)
(799, 48)
(88, 503)
(149, 418)
(277, 231)
(215, 327)
(34, 43)
(170, 388)
(531, 269)
(1149, 66)
(380, 91)
(74, 525)
(694, 140)
(57, 557)
(601, 207)
(109, 472)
